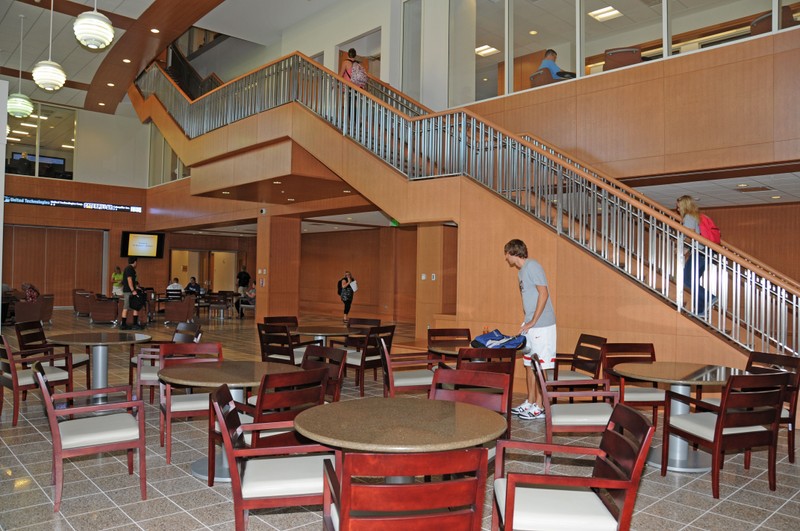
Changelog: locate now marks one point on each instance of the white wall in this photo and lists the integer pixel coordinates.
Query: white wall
(111, 150)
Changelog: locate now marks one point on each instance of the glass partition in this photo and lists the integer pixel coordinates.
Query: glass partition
(538, 26)
(412, 48)
(43, 144)
(165, 166)
(710, 23)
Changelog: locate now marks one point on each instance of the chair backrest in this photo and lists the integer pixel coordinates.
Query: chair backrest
(230, 425)
(174, 294)
(283, 396)
(625, 443)
(413, 360)
(287, 320)
(28, 310)
(767, 362)
(7, 366)
(750, 400)
(502, 360)
(613, 353)
(362, 322)
(436, 335)
(180, 353)
(187, 332)
(274, 340)
(332, 359)
(453, 499)
(48, 301)
(372, 340)
(587, 354)
(541, 77)
(479, 388)
(30, 334)
(619, 57)
(47, 400)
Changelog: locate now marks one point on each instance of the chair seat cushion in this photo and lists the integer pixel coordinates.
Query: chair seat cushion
(190, 402)
(76, 359)
(298, 356)
(635, 394)
(717, 402)
(54, 374)
(566, 374)
(702, 425)
(555, 509)
(150, 372)
(283, 476)
(354, 357)
(585, 414)
(414, 377)
(91, 431)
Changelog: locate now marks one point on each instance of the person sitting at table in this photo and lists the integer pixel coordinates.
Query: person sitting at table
(248, 299)
(193, 288)
(549, 62)
(175, 284)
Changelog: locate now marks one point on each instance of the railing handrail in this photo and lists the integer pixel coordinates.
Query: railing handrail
(459, 142)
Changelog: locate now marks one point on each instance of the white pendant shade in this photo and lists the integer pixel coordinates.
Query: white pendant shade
(49, 75)
(93, 30)
(19, 105)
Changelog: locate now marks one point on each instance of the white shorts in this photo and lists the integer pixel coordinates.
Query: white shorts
(540, 341)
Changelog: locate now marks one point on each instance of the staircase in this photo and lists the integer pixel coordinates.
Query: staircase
(757, 308)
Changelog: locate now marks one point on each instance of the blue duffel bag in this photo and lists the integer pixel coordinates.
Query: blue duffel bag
(496, 339)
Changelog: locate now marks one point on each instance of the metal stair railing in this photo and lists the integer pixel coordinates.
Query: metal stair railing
(755, 307)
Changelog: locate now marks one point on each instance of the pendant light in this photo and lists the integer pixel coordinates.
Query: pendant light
(19, 105)
(49, 75)
(93, 29)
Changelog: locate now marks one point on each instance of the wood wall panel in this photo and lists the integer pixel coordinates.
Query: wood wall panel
(284, 275)
(29, 249)
(62, 254)
(88, 257)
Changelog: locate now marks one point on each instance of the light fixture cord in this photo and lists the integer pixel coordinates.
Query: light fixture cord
(21, 33)
(50, 53)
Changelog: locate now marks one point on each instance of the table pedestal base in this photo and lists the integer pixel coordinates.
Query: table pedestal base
(222, 474)
(693, 463)
(99, 372)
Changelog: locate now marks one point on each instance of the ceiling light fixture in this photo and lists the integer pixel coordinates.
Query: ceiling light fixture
(606, 13)
(742, 185)
(486, 50)
(109, 84)
(775, 197)
(49, 75)
(154, 30)
(67, 146)
(533, 32)
(93, 29)
(19, 105)
(126, 61)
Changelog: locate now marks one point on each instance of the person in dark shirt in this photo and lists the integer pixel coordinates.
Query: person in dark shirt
(243, 281)
(130, 288)
(192, 288)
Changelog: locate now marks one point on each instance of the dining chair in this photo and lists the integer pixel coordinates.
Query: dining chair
(267, 477)
(500, 360)
(316, 356)
(292, 322)
(30, 334)
(92, 429)
(182, 404)
(16, 373)
(277, 344)
(405, 371)
(577, 417)
(748, 416)
(542, 77)
(281, 397)
(603, 500)
(179, 310)
(583, 362)
(448, 336)
(362, 496)
(362, 322)
(364, 351)
(147, 373)
(619, 57)
(635, 394)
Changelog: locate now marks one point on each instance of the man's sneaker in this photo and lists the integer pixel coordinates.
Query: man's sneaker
(533, 413)
(525, 406)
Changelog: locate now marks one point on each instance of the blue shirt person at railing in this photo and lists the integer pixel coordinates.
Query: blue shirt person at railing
(690, 213)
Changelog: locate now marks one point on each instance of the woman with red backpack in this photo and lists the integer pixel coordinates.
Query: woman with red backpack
(693, 272)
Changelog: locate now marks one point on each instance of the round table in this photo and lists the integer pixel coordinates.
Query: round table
(99, 343)
(396, 425)
(681, 376)
(237, 375)
(325, 332)
(448, 348)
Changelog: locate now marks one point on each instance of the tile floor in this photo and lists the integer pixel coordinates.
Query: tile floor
(98, 493)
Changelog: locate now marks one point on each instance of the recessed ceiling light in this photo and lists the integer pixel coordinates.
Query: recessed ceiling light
(533, 32)
(154, 30)
(20, 132)
(775, 197)
(486, 79)
(12, 139)
(606, 13)
(486, 50)
(67, 146)
(346, 191)
(742, 185)
(226, 193)
(290, 199)
(38, 116)
(26, 124)
(277, 182)
(349, 219)
(126, 61)
(101, 104)
(110, 84)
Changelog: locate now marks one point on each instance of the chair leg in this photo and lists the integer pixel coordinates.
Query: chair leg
(142, 470)
(15, 416)
(58, 477)
(716, 462)
(773, 450)
(169, 439)
(790, 437)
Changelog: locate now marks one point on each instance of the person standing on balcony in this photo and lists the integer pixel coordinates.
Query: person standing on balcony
(539, 327)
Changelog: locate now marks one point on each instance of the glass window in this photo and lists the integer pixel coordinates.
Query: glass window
(709, 23)
(614, 38)
(165, 166)
(412, 47)
(43, 144)
(538, 26)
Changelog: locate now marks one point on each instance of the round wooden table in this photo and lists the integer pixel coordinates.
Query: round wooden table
(681, 376)
(396, 425)
(237, 375)
(99, 343)
(448, 348)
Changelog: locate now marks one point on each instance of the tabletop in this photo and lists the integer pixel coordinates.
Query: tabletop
(324, 331)
(676, 372)
(448, 348)
(99, 338)
(394, 425)
(233, 373)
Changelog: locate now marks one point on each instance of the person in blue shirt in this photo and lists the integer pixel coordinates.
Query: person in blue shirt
(549, 62)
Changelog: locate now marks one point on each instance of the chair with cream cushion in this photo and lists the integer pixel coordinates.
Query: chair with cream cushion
(316, 357)
(501, 360)
(266, 477)
(635, 394)
(364, 352)
(405, 371)
(602, 501)
(145, 363)
(16, 373)
(747, 417)
(30, 334)
(279, 345)
(292, 322)
(89, 431)
(452, 497)
(182, 404)
(584, 362)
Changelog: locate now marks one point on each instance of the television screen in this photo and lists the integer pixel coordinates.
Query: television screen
(142, 245)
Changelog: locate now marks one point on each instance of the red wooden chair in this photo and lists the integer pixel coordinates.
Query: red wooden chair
(447, 336)
(604, 500)
(364, 352)
(146, 364)
(31, 334)
(121, 428)
(635, 394)
(405, 372)
(292, 323)
(316, 357)
(452, 499)
(266, 477)
(278, 344)
(501, 360)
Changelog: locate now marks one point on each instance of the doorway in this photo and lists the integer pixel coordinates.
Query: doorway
(214, 270)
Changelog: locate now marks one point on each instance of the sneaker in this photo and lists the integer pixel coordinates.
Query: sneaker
(533, 413)
(525, 406)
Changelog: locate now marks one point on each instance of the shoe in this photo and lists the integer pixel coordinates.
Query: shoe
(137, 327)
(533, 413)
(525, 406)
(124, 326)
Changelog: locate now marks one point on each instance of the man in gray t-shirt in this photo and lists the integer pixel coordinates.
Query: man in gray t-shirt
(539, 326)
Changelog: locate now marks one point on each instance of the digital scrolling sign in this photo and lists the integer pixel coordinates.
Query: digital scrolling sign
(86, 205)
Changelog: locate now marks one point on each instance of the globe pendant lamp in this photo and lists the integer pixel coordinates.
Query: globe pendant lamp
(49, 75)
(19, 105)
(93, 29)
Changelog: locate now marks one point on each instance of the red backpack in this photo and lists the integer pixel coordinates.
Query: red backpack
(709, 230)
